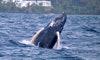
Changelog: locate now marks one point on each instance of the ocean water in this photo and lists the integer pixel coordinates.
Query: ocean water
(80, 38)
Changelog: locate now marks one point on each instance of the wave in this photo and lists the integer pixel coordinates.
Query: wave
(91, 29)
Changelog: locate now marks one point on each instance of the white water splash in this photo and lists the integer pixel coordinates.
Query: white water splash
(66, 47)
(27, 42)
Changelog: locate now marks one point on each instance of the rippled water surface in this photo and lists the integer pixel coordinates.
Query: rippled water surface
(80, 38)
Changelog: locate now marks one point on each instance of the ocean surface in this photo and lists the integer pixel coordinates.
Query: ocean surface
(80, 38)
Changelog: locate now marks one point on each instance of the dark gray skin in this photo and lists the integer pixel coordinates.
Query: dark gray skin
(47, 37)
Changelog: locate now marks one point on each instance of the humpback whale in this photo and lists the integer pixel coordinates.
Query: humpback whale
(48, 36)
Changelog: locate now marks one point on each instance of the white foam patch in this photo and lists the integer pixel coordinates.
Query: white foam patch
(69, 47)
(27, 42)
(66, 47)
(61, 47)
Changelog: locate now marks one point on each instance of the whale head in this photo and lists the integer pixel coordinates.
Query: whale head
(58, 23)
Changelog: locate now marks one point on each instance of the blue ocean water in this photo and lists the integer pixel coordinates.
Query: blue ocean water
(80, 38)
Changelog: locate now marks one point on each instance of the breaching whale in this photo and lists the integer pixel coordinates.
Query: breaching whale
(48, 36)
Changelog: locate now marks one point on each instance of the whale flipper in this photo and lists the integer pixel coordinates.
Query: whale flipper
(57, 44)
(35, 36)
